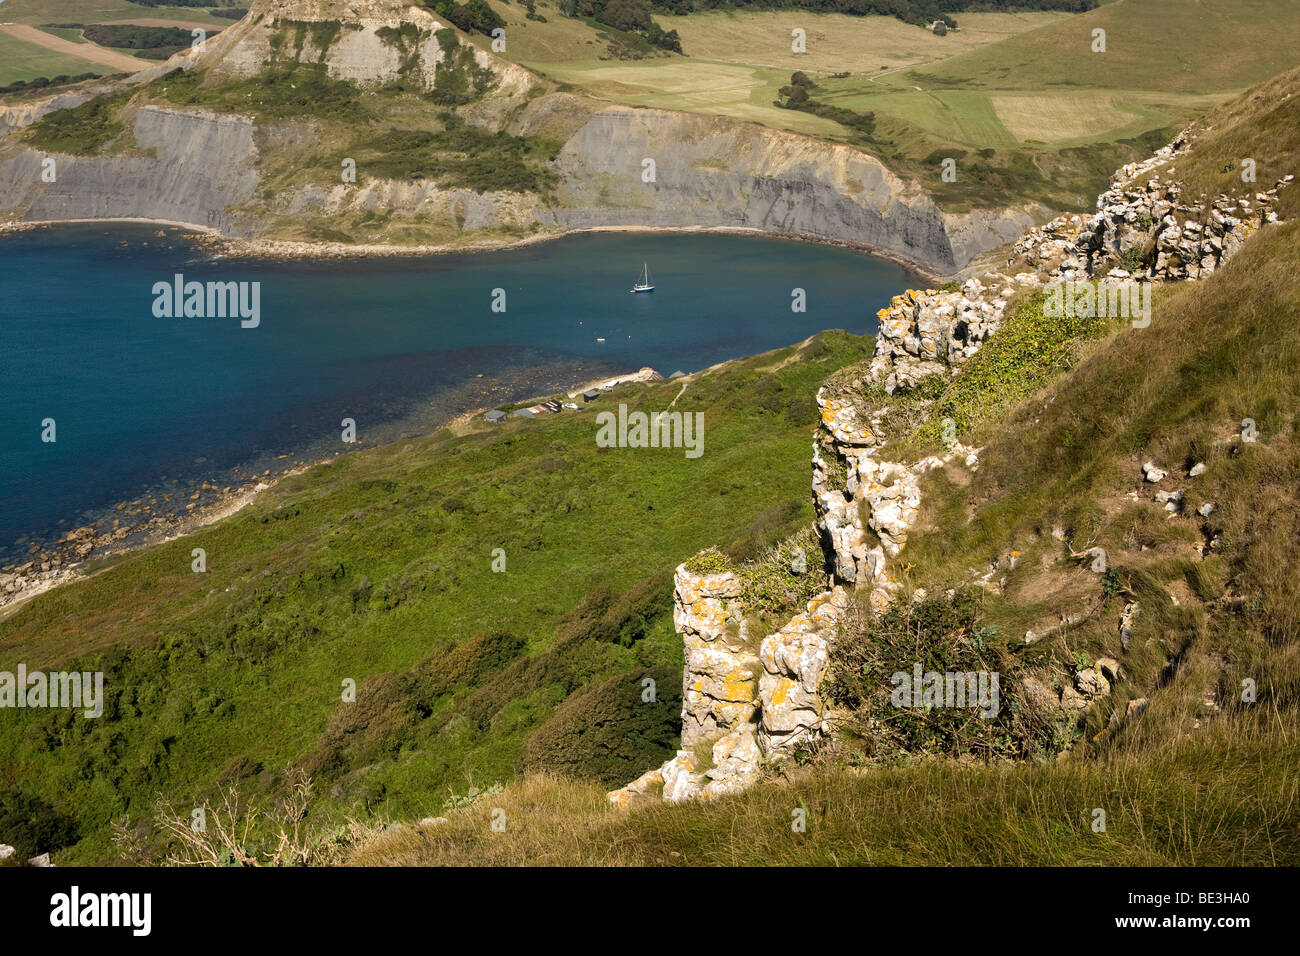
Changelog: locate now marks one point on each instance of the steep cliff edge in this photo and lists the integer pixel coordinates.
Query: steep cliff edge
(610, 166)
(709, 171)
(742, 709)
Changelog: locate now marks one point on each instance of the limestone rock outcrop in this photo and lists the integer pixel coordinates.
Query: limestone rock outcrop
(867, 504)
(794, 661)
(720, 681)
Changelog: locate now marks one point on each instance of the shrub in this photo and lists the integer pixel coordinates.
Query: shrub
(941, 634)
(609, 732)
(709, 561)
(82, 130)
(32, 826)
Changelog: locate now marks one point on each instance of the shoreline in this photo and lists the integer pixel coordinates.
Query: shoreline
(67, 558)
(63, 559)
(288, 250)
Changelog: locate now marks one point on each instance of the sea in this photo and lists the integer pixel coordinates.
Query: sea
(138, 399)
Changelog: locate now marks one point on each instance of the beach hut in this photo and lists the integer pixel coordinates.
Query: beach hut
(591, 394)
(496, 415)
(525, 413)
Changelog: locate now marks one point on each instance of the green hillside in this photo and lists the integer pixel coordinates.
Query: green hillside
(378, 568)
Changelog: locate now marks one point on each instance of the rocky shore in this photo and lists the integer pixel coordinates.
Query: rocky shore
(138, 523)
(165, 514)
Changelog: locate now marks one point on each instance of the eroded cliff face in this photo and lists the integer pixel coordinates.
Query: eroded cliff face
(647, 167)
(160, 182)
(370, 42)
(618, 167)
(24, 113)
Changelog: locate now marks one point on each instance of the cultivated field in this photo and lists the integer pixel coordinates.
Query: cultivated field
(735, 62)
(675, 83)
(27, 53)
(20, 60)
(73, 50)
(838, 43)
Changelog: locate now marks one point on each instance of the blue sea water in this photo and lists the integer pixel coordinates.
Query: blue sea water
(399, 345)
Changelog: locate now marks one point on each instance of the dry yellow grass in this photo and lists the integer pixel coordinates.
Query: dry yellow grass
(837, 43)
(1060, 118)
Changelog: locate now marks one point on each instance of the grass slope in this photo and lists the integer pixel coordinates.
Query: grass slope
(378, 568)
(1206, 773)
(1174, 46)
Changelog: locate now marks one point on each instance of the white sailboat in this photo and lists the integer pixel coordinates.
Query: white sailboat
(644, 284)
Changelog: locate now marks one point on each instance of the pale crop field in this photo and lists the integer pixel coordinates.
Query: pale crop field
(1061, 119)
(692, 86)
(20, 60)
(838, 43)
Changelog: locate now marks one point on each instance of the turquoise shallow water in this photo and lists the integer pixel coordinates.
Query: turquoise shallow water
(396, 344)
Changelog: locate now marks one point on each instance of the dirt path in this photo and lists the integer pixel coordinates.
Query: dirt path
(83, 51)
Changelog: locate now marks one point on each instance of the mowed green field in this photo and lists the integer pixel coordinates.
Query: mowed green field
(20, 60)
(71, 34)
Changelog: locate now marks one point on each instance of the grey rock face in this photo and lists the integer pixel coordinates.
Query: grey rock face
(204, 164)
(714, 172)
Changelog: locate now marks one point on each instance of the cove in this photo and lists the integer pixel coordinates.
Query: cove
(400, 345)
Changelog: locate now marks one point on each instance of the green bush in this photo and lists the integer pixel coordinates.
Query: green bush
(458, 79)
(610, 733)
(459, 156)
(32, 826)
(82, 130)
(943, 635)
(295, 90)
